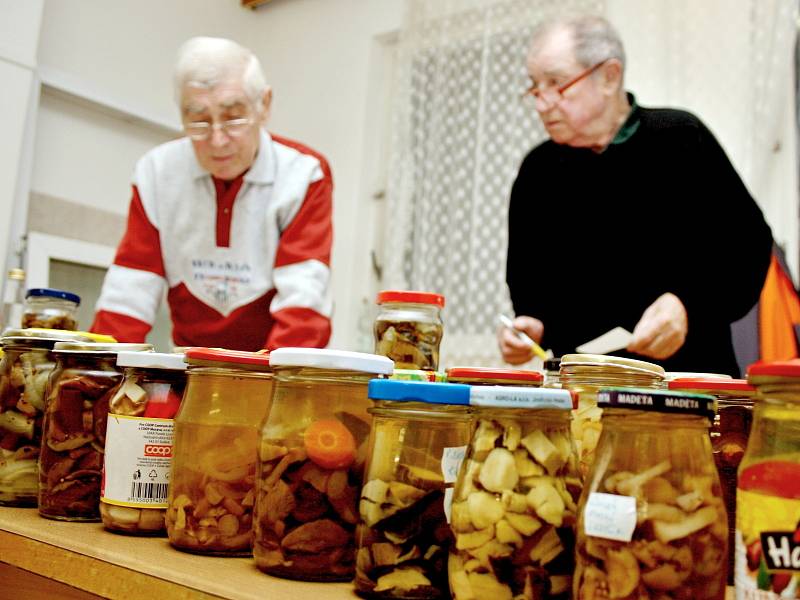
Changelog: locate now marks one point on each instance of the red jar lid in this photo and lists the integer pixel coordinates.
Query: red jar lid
(781, 368)
(415, 297)
(205, 356)
(709, 383)
(486, 373)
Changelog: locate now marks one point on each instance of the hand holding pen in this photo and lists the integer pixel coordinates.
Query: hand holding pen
(516, 339)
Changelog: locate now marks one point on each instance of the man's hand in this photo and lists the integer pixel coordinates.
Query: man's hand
(514, 350)
(662, 329)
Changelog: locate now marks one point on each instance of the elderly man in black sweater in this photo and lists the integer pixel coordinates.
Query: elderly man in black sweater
(640, 216)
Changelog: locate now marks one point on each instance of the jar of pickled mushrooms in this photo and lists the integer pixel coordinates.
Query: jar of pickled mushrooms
(651, 519)
(26, 365)
(74, 428)
(50, 309)
(408, 328)
(767, 555)
(138, 457)
(311, 462)
(729, 434)
(552, 373)
(419, 438)
(515, 500)
(215, 445)
(586, 374)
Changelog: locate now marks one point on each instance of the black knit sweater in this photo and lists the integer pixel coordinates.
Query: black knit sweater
(595, 238)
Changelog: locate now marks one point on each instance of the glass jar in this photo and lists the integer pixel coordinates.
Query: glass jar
(311, 463)
(768, 498)
(138, 456)
(492, 376)
(74, 428)
(651, 519)
(408, 328)
(26, 365)
(51, 309)
(516, 498)
(211, 492)
(586, 374)
(419, 437)
(552, 375)
(729, 434)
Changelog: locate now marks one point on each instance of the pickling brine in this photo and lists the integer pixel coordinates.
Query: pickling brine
(211, 495)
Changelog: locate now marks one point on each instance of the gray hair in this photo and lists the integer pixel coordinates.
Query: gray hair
(594, 38)
(206, 61)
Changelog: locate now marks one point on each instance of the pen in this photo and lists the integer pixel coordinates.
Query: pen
(536, 348)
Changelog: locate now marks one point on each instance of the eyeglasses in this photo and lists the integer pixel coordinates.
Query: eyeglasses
(556, 94)
(201, 130)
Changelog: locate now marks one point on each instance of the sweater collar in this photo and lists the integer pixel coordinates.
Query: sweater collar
(630, 125)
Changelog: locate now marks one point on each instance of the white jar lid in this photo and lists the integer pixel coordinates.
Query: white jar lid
(151, 360)
(341, 360)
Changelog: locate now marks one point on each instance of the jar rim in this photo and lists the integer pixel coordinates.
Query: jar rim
(411, 296)
(603, 361)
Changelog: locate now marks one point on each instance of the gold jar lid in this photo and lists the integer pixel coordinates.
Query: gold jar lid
(612, 363)
(41, 333)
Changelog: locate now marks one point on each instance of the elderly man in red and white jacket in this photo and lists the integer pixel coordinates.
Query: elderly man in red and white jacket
(233, 222)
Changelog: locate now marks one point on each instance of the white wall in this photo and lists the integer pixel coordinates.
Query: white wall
(19, 34)
(317, 56)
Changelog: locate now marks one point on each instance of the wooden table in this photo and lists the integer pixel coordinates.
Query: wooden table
(40, 558)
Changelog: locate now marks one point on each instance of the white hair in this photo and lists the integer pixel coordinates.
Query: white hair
(206, 61)
(594, 38)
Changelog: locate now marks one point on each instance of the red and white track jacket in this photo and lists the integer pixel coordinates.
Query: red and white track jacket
(246, 264)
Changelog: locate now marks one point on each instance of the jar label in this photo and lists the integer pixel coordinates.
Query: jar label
(767, 560)
(451, 465)
(137, 461)
(610, 516)
(517, 397)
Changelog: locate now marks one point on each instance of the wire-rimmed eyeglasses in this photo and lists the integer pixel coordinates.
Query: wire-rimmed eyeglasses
(201, 130)
(555, 95)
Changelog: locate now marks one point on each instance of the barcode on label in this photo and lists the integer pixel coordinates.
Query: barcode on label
(151, 491)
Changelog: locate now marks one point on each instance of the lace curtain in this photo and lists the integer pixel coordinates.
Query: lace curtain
(460, 130)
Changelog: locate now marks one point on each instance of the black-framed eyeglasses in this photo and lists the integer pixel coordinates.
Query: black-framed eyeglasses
(556, 94)
(201, 130)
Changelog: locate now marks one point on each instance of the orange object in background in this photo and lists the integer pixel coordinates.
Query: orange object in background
(778, 315)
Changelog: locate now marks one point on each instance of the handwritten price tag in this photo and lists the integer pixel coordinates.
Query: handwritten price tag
(451, 462)
(610, 516)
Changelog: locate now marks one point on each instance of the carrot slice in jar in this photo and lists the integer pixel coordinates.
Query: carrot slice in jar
(330, 444)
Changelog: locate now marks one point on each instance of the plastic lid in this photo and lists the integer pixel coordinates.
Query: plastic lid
(94, 347)
(339, 360)
(782, 368)
(712, 383)
(410, 296)
(552, 364)
(604, 361)
(40, 333)
(522, 397)
(489, 374)
(658, 401)
(204, 356)
(672, 375)
(98, 337)
(419, 391)
(413, 375)
(52, 293)
(151, 360)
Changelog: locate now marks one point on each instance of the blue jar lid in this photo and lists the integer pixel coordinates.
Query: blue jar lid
(51, 293)
(419, 391)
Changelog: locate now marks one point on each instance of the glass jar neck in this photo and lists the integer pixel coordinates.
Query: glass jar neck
(419, 411)
(105, 362)
(552, 416)
(597, 377)
(199, 372)
(624, 419)
(42, 301)
(165, 375)
(315, 375)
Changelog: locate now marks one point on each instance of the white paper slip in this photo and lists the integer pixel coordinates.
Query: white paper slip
(611, 341)
(610, 516)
